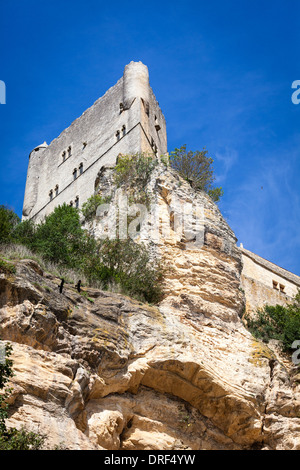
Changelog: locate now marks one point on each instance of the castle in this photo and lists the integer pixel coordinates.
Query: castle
(126, 120)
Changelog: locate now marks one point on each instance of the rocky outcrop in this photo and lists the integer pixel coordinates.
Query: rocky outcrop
(102, 371)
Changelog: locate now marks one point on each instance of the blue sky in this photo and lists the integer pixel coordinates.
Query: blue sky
(222, 72)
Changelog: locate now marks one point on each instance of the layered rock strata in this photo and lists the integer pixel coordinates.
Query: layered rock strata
(102, 371)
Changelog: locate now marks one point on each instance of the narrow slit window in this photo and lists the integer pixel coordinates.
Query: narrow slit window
(123, 130)
(69, 151)
(56, 190)
(81, 168)
(77, 202)
(118, 135)
(281, 287)
(275, 285)
(74, 173)
(51, 195)
(63, 156)
(157, 126)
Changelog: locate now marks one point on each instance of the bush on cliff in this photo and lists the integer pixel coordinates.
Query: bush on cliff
(8, 221)
(197, 169)
(60, 239)
(277, 322)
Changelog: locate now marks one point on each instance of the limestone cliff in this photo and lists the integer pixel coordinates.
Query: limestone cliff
(102, 371)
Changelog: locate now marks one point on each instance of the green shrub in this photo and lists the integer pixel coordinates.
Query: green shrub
(61, 241)
(197, 169)
(14, 439)
(24, 233)
(277, 322)
(89, 208)
(7, 268)
(60, 238)
(134, 169)
(8, 221)
(127, 264)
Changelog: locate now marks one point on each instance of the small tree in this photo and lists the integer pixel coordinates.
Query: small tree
(8, 221)
(89, 208)
(24, 233)
(60, 237)
(196, 168)
(277, 322)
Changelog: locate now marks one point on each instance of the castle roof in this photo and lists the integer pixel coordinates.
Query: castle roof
(272, 267)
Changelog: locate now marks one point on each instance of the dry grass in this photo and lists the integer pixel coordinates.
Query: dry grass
(14, 252)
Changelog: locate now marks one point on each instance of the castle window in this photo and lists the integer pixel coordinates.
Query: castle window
(118, 135)
(64, 156)
(74, 173)
(157, 126)
(51, 195)
(81, 168)
(69, 151)
(71, 203)
(77, 202)
(275, 285)
(281, 287)
(56, 190)
(123, 130)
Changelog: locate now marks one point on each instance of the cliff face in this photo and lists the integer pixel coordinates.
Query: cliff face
(102, 371)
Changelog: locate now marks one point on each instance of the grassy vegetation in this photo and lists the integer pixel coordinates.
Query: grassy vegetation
(61, 246)
(7, 268)
(132, 172)
(197, 169)
(89, 208)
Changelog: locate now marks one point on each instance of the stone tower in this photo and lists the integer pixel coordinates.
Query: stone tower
(127, 120)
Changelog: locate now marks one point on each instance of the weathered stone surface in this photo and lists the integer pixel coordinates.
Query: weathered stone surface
(112, 373)
(116, 374)
(128, 108)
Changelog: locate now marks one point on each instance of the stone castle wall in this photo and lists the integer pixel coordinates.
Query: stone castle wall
(127, 119)
(265, 282)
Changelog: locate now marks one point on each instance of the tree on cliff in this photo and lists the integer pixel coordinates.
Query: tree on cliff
(196, 168)
(277, 322)
(8, 221)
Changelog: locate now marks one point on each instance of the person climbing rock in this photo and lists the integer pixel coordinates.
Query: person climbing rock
(78, 286)
(61, 286)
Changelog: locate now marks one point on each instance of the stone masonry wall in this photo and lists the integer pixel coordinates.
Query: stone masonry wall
(266, 283)
(93, 141)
